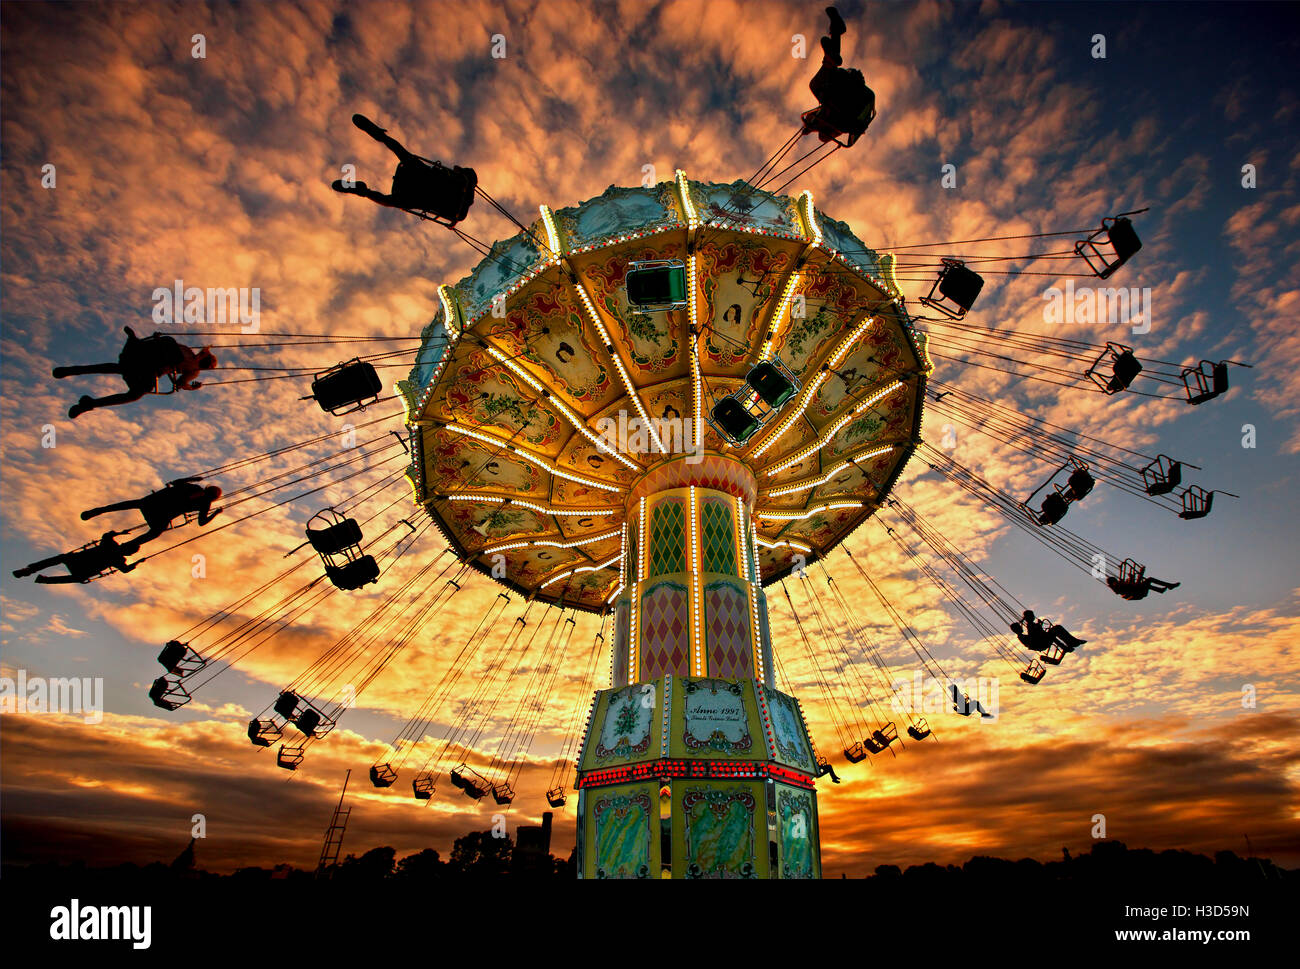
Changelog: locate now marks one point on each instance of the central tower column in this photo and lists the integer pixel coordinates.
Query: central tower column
(693, 765)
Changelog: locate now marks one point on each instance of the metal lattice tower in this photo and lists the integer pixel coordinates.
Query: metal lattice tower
(329, 852)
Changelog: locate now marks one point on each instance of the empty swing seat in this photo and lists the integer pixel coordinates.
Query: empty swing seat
(886, 735)
(919, 730)
(1124, 368)
(263, 733)
(555, 797)
(335, 538)
(1205, 382)
(1053, 509)
(502, 794)
(1197, 502)
(308, 721)
(957, 287)
(1124, 243)
(1123, 372)
(346, 388)
(422, 786)
(738, 424)
(168, 694)
(289, 757)
(654, 285)
(286, 704)
(180, 658)
(1034, 672)
(770, 381)
(855, 753)
(382, 775)
(355, 574)
(1162, 475)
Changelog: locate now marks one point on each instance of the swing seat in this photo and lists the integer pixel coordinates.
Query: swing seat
(1034, 672)
(555, 797)
(1132, 591)
(656, 285)
(957, 287)
(502, 794)
(90, 562)
(286, 704)
(336, 538)
(289, 757)
(1197, 502)
(1053, 509)
(346, 388)
(428, 186)
(263, 733)
(1053, 654)
(846, 113)
(855, 754)
(730, 418)
(768, 386)
(168, 694)
(886, 735)
(1162, 475)
(919, 730)
(382, 775)
(1080, 483)
(177, 657)
(422, 787)
(1124, 368)
(155, 355)
(308, 721)
(457, 779)
(1130, 583)
(1206, 381)
(354, 574)
(772, 382)
(1124, 243)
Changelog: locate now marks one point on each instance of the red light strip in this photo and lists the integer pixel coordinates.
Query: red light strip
(667, 769)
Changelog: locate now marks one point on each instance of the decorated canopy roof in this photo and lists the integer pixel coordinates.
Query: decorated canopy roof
(541, 400)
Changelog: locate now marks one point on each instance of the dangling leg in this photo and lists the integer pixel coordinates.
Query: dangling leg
(37, 566)
(112, 400)
(56, 579)
(381, 135)
(363, 190)
(120, 506)
(837, 22)
(89, 368)
(133, 546)
(1062, 636)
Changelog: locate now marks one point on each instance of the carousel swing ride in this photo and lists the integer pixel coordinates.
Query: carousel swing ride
(652, 407)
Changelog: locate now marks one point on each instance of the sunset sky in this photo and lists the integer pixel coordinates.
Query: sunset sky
(216, 171)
